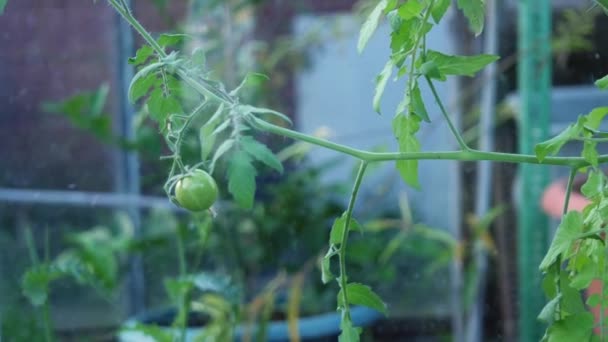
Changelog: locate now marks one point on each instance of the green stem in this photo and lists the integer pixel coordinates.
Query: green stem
(46, 314)
(558, 264)
(468, 155)
(463, 145)
(183, 268)
(411, 78)
(45, 311)
(343, 281)
(125, 12)
(573, 172)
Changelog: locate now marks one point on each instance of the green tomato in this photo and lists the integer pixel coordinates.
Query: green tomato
(197, 191)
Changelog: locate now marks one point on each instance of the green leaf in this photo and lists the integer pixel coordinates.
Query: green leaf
(253, 79)
(206, 136)
(2, 6)
(410, 9)
(161, 106)
(35, 283)
(595, 117)
(142, 55)
(171, 39)
(594, 300)
(418, 107)
(359, 294)
(474, 10)
(439, 9)
(547, 315)
(261, 153)
(143, 80)
(554, 145)
(337, 229)
(370, 25)
(405, 128)
(602, 83)
(431, 70)
(572, 328)
(459, 65)
(246, 109)
(570, 227)
(178, 289)
(381, 81)
(326, 274)
(140, 86)
(241, 179)
(590, 153)
(349, 332)
(594, 185)
(221, 150)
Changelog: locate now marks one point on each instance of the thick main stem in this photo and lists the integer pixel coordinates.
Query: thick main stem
(468, 155)
(342, 253)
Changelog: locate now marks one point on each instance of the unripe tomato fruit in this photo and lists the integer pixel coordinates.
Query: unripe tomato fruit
(197, 191)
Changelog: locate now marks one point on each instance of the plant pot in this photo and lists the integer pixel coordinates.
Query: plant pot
(553, 201)
(313, 328)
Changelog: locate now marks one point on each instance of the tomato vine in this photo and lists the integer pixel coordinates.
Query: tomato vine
(578, 252)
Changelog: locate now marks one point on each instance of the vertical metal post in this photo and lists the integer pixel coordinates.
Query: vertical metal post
(127, 172)
(534, 89)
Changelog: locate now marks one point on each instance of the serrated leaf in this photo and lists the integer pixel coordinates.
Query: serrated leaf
(554, 145)
(418, 107)
(241, 179)
(595, 117)
(246, 109)
(221, 150)
(140, 87)
(142, 55)
(594, 185)
(602, 83)
(349, 332)
(370, 25)
(35, 283)
(171, 39)
(141, 79)
(570, 227)
(459, 65)
(381, 81)
(474, 10)
(405, 128)
(160, 107)
(337, 229)
(439, 9)
(584, 277)
(572, 328)
(410, 9)
(359, 294)
(590, 153)
(261, 153)
(252, 78)
(547, 314)
(206, 136)
(431, 70)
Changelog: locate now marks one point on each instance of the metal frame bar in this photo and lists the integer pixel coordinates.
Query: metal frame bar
(535, 89)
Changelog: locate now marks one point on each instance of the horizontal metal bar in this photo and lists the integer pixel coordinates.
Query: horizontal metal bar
(84, 199)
